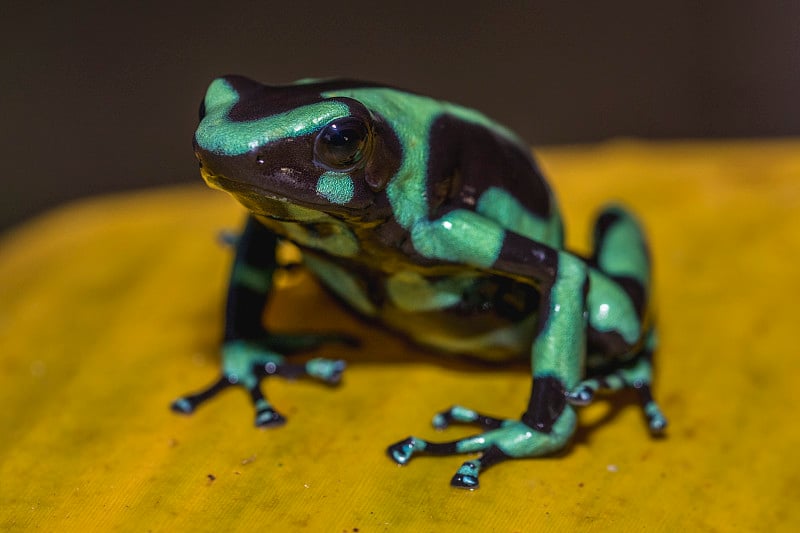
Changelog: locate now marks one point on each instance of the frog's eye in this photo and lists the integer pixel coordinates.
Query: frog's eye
(341, 145)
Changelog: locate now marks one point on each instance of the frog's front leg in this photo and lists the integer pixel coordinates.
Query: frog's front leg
(513, 439)
(249, 352)
(247, 363)
(557, 358)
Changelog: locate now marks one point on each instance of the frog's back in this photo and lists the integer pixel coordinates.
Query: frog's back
(457, 158)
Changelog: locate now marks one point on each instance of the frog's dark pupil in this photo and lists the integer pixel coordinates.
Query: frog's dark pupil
(341, 143)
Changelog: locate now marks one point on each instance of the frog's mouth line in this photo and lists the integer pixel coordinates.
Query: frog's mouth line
(267, 203)
(215, 181)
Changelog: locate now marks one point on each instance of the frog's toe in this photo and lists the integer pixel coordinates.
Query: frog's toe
(440, 421)
(182, 406)
(462, 415)
(658, 425)
(583, 395)
(266, 415)
(327, 370)
(401, 452)
(457, 414)
(269, 418)
(466, 477)
(656, 421)
(187, 405)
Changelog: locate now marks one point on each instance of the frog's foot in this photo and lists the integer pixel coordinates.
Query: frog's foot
(187, 404)
(462, 415)
(510, 439)
(465, 477)
(656, 420)
(636, 376)
(245, 364)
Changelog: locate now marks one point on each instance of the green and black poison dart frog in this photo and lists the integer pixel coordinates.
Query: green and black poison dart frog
(435, 221)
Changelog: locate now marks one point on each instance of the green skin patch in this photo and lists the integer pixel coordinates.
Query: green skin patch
(460, 236)
(491, 237)
(410, 291)
(239, 357)
(499, 205)
(342, 283)
(258, 280)
(216, 133)
(624, 251)
(611, 309)
(516, 439)
(336, 187)
(560, 347)
(340, 242)
(411, 116)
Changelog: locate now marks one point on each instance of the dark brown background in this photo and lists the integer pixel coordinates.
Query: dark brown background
(99, 98)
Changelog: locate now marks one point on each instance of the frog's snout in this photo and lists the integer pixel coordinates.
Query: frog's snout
(224, 92)
(212, 167)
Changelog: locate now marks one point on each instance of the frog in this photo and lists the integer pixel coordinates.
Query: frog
(434, 221)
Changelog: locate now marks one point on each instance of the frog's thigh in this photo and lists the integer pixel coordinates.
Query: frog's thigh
(615, 324)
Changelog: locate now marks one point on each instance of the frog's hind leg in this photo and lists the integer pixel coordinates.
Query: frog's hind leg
(621, 255)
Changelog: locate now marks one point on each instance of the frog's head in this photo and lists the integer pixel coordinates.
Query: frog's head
(283, 150)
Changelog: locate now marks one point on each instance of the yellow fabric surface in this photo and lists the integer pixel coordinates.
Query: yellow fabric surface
(111, 308)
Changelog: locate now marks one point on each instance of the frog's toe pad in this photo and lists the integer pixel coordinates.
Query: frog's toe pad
(269, 418)
(581, 396)
(656, 421)
(466, 477)
(182, 406)
(440, 421)
(328, 370)
(401, 452)
(658, 426)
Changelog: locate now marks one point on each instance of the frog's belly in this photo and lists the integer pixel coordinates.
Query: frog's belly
(450, 332)
(471, 313)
